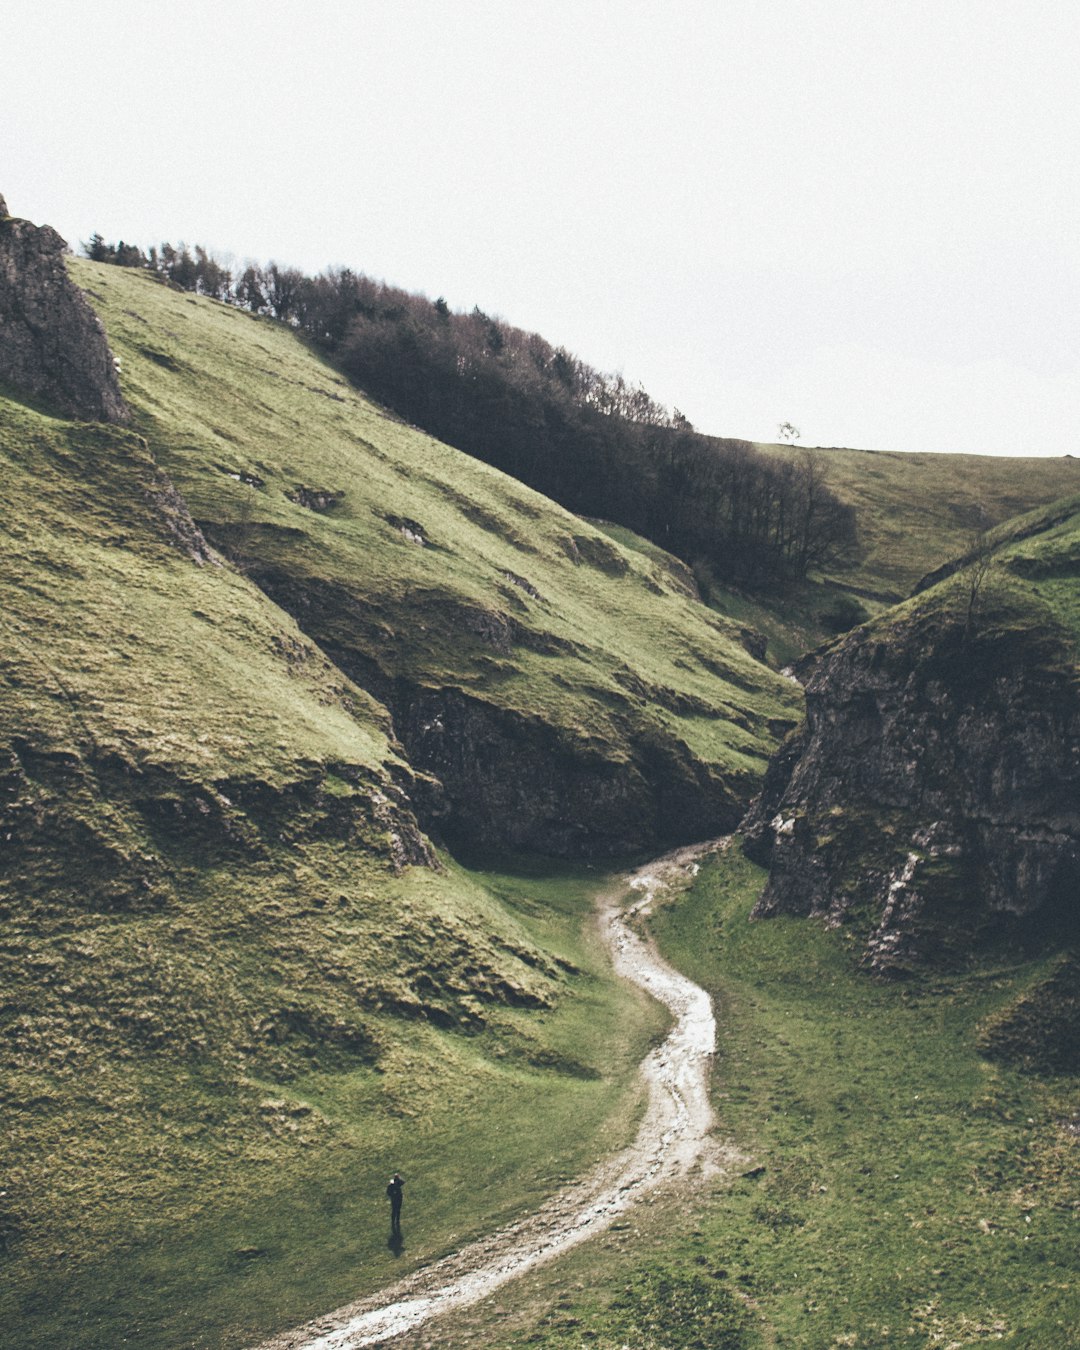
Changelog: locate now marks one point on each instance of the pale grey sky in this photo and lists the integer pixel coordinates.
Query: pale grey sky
(857, 215)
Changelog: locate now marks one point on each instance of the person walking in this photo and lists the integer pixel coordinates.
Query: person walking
(393, 1194)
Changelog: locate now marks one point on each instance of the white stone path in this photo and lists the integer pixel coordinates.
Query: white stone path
(672, 1141)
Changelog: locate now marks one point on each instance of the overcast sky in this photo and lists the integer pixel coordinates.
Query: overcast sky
(857, 215)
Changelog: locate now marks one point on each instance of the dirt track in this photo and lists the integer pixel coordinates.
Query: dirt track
(672, 1141)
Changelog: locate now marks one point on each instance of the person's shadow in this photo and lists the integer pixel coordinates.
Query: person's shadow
(396, 1242)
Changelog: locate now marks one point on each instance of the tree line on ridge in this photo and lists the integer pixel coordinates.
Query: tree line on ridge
(593, 442)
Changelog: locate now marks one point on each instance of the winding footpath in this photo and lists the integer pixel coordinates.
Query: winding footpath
(673, 1140)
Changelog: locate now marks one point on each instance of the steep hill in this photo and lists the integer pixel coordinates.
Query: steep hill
(799, 543)
(570, 695)
(933, 795)
(257, 646)
(590, 441)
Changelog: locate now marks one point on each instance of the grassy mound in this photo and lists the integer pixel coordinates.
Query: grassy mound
(915, 513)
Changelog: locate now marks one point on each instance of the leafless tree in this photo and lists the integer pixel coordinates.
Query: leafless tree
(979, 562)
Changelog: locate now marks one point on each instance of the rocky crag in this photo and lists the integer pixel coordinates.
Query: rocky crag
(933, 792)
(52, 345)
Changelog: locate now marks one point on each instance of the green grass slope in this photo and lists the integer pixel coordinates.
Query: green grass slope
(235, 993)
(239, 986)
(916, 512)
(570, 693)
(891, 1187)
(913, 1194)
(1042, 551)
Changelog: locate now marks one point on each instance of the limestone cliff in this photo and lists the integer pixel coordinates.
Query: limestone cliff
(934, 790)
(52, 345)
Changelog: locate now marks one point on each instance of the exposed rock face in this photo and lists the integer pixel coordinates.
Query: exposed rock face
(52, 345)
(492, 776)
(516, 782)
(934, 789)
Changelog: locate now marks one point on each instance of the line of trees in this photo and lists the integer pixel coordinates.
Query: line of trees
(594, 442)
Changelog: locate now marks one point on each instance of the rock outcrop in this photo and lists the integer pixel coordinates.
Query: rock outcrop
(52, 345)
(518, 782)
(933, 792)
(491, 776)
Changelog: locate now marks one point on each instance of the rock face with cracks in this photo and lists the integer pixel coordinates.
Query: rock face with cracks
(52, 345)
(491, 776)
(935, 787)
(516, 781)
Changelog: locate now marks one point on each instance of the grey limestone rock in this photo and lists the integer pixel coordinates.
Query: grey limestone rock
(934, 792)
(52, 345)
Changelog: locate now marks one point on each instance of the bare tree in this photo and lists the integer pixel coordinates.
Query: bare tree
(978, 565)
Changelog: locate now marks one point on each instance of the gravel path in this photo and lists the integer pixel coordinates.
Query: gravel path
(672, 1141)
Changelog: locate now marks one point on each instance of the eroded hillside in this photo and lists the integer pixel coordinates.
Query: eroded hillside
(258, 647)
(570, 694)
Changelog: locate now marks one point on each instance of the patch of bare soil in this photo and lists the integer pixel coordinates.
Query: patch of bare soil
(673, 1142)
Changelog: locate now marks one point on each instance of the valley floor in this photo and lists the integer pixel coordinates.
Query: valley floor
(485, 1125)
(673, 1143)
(899, 1189)
(868, 1179)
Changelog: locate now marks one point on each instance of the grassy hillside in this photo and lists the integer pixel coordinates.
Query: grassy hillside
(891, 1186)
(425, 572)
(239, 984)
(913, 1193)
(1019, 583)
(226, 994)
(1042, 551)
(915, 512)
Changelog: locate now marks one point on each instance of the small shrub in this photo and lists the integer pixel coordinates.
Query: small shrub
(845, 612)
